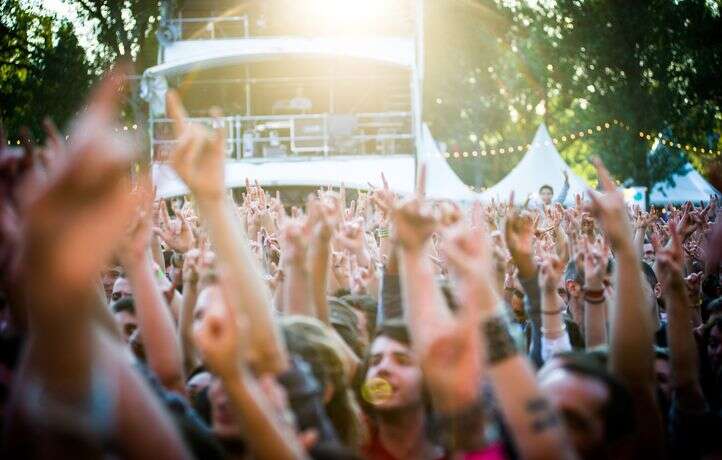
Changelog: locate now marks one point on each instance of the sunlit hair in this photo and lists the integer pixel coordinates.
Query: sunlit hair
(344, 321)
(315, 343)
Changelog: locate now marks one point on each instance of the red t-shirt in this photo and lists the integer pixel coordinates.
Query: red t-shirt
(375, 450)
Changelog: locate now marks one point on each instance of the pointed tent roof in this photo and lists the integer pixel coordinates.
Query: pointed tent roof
(542, 165)
(441, 181)
(689, 186)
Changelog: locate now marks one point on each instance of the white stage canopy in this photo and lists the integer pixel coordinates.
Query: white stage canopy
(441, 181)
(353, 172)
(541, 165)
(184, 56)
(688, 187)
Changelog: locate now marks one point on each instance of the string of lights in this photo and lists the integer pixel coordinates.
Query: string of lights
(125, 128)
(649, 136)
(573, 136)
(671, 143)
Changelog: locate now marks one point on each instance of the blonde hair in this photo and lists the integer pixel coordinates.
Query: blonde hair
(317, 344)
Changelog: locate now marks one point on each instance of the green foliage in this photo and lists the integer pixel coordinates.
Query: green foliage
(124, 29)
(43, 70)
(655, 65)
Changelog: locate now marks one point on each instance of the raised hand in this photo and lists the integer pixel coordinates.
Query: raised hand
(351, 236)
(178, 234)
(341, 268)
(595, 260)
(449, 213)
(470, 258)
(610, 209)
(550, 272)
(218, 337)
(134, 246)
(295, 236)
(324, 214)
(670, 260)
(414, 223)
(191, 266)
(73, 221)
(384, 199)
(198, 156)
(519, 233)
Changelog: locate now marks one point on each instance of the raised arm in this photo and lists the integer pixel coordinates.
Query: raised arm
(185, 318)
(154, 318)
(219, 339)
(327, 213)
(683, 356)
(297, 280)
(198, 160)
(532, 422)
(519, 232)
(565, 189)
(448, 345)
(413, 225)
(632, 336)
(595, 299)
(72, 227)
(555, 338)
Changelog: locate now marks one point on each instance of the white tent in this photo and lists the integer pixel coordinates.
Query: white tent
(441, 181)
(541, 165)
(349, 171)
(689, 186)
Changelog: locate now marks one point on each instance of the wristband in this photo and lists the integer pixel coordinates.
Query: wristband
(594, 296)
(594, 300)
(499, 343)
(383, 232)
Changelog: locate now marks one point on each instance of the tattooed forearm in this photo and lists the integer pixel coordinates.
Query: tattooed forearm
(543, 415)
(499, 343)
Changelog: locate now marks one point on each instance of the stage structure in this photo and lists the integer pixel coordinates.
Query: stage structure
(314, 92)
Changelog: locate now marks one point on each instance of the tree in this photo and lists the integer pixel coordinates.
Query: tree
(44, 71)
(124, 30)
(652, 65)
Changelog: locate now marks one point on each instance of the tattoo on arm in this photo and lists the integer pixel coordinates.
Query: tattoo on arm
(543, 415)
(499, 343)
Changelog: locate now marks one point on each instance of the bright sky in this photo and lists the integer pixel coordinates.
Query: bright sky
(63, 10)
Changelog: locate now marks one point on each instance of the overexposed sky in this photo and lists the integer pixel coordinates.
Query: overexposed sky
(63, 10)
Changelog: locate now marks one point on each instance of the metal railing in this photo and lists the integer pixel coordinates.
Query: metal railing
(287, 136)
(210, 27)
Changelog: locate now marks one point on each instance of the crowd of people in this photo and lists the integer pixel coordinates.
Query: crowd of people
(367, 326)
